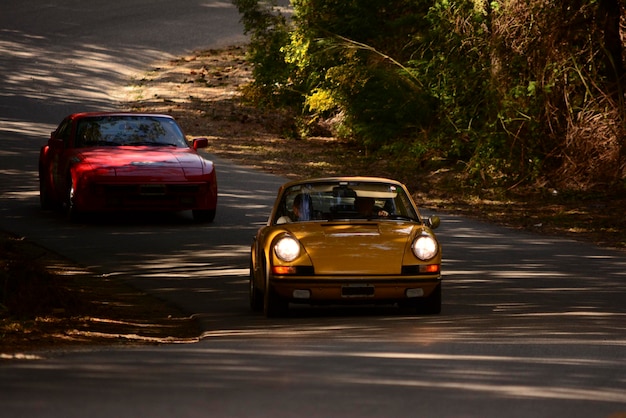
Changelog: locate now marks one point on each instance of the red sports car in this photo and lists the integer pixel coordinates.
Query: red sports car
(125, 161)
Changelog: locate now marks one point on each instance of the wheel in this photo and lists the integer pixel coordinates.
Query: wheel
(432, 304)
(45, 201)
(274, 306)
(203, 216)
(70, 208)
(256, 296)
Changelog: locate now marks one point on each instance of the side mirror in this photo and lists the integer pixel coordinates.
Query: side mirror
(55, 143)
(433, 222)
(200, 143)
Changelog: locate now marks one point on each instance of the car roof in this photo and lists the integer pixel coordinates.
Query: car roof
(361, 179)
(81, 115)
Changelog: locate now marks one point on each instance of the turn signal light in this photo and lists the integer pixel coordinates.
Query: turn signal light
(430, 268)
(284, 270)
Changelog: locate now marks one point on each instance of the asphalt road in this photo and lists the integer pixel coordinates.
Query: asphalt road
(531, 325)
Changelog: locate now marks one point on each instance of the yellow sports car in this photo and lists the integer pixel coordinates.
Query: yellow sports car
(345, 240)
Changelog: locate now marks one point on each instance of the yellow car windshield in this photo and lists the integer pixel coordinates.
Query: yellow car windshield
(329, 201)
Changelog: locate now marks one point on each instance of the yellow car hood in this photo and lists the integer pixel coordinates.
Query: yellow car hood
(367, 248)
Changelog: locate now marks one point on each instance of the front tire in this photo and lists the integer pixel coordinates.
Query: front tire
(274, 306)
(256, 296)
(203, 216)
(432, 304)
(45, 201)
(69, 206)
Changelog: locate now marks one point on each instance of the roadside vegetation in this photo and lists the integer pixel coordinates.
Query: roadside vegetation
(510, 95)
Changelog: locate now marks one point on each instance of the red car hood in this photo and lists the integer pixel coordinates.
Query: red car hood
(355, 248)
(154, 162)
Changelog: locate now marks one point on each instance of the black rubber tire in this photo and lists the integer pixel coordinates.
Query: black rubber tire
(68, 205)
(45, 201)
(432, 304)
(256, 296)
(274, 306)
(203, 216)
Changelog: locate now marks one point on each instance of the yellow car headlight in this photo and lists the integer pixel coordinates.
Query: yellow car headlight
(287, 248)
(425, 247)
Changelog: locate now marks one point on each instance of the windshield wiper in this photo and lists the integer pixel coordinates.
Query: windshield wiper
(154, 144)
(406, 218)
(104, 143)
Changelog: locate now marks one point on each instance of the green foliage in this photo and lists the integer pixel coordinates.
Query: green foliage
(334, 45)
(269, 33)
(513, 89)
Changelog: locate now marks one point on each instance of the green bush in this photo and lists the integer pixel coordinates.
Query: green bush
(511, 89)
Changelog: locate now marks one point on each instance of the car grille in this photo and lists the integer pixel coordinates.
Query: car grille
(139, 195)
(150, 189)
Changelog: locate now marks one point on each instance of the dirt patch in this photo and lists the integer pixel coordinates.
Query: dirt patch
(48, 302)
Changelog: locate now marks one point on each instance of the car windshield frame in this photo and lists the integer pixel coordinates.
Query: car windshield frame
(343, 201)
(128, 130)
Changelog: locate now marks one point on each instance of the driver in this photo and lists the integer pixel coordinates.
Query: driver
(365, 207)
(301, 209)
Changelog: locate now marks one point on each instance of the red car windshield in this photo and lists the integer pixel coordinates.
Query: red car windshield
(129, 130)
